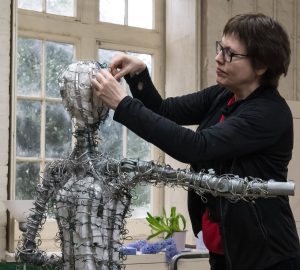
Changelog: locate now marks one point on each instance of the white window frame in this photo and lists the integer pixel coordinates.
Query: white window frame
(87, 33)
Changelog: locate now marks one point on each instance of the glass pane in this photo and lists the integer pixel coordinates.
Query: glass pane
(141, 201)
(28, 128)
(29, 66)
(112, 11)
(60, 7)
(105, 56)
(58, 131)
(134, 143)
(140, 13)
(58, 57)
(35, 5)
(111, 137)
(137, 147)
(110, 131)
(27, 177)
(146, 58)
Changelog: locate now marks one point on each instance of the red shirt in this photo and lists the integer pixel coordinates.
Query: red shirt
(211, 229)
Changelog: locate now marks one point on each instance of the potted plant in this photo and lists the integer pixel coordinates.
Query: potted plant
(171, 226)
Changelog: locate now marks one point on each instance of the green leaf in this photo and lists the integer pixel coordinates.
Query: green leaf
(154, 235)
(180, 216)
(166, 224)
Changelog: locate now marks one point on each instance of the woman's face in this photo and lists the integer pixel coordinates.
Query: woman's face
(238, 75)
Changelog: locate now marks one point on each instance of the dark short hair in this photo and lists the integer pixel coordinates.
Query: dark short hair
(266, 41)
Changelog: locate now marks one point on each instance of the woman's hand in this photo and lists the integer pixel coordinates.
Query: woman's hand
(123, 64)
(107, 88)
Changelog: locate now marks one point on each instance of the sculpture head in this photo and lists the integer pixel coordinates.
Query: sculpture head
(78, 96)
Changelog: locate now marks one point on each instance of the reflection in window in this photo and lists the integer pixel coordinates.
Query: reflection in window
(43, 128)
(28, 128)
(60, 7)
(29, 72)
(110, 133)
(27, 177)
(137, 147)
(105, 56)
(57, 7)
(118, 141)
(137, 13)
(146, 58)
(58, 57)
(58, 131)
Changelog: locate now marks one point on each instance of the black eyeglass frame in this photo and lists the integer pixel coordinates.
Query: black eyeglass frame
(226, 51)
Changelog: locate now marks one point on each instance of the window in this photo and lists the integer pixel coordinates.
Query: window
(129, 144)
(58, 7)
(43, 129)
(135, 13)
(52, 34)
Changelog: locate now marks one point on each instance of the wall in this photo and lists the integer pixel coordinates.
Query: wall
(285, 11)
(182, 69)
(192, 27)
(5, 34)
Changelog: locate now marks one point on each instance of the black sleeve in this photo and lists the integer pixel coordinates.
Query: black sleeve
(256, 127)
(142, 88)
(189, 109)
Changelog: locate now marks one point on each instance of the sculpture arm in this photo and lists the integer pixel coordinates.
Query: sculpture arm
(55, 176)
(232, 187)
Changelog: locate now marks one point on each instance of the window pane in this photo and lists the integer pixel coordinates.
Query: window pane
(140, 13)
(58, 57)
(134, 143)
(110, 131)
(58, 131)
(146, 58)
(29, 66)
(35, 5)
(111, 137)
(112, 11)
(28, 128)
(137, 147)
(60, 7)
(141, 201)
(105, 56)
(27, 177)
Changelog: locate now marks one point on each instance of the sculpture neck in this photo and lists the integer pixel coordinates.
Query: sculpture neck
(86, 141)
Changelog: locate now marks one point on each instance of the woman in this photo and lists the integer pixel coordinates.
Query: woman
(245, 128)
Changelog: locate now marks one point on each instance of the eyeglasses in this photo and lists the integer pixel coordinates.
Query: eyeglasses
(226, 53)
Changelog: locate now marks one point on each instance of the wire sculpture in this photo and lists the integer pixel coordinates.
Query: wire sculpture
(90, 192)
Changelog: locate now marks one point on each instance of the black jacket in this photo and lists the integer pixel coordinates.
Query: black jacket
(256, 140)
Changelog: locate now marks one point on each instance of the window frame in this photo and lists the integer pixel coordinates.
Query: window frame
(87, 33)
(42, 159)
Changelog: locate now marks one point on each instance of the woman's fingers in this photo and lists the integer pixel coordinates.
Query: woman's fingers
(96, 85)
(121, 73)
(123, 64)
(107, 88)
